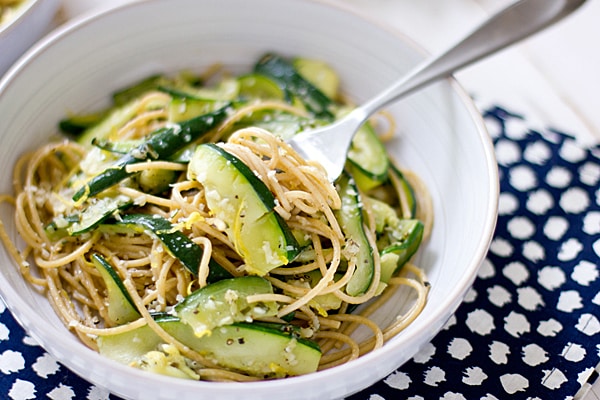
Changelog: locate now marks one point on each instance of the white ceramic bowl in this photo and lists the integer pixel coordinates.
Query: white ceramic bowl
(30, 22)
(442, 138)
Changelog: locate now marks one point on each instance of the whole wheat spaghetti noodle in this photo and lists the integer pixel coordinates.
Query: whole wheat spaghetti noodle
(130, 259)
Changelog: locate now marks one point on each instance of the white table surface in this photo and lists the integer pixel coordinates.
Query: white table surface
(553, 77)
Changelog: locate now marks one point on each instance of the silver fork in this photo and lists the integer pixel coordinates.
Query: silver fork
(329, 144)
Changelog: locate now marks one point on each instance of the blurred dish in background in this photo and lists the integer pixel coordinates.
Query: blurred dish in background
(8, 9)
(22, 23)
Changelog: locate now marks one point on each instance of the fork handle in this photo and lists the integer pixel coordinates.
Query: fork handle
(516, 22)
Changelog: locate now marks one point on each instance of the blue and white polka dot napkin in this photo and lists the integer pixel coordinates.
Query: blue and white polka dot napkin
(530, 326)
(528, 329)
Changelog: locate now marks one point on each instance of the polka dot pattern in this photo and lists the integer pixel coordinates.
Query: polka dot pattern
(27, 372)
(528, 329)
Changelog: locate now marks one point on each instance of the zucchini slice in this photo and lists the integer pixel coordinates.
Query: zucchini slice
(224, 302)
(162, 144)
(185, 108)
(240, 199)
(405, 237)
(398, 236)
(227, 90)
(112, 119)
(294, 85)
(176, 242)
(76, 124)
(255, 349)
(320, 74)
(403, 186)
(350, 217)
(323, 302)
(260, 350)
(130, 346)
(253, 86)
(367, 158)
(97, 212)
(107, 126)
(280, 123)
(121, 308)
(130, 93)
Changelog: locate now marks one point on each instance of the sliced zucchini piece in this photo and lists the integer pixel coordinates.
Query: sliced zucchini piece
(294, 85)
(260, 350)
(320, 74)
(279, 123)
(399, 236)
(107, 127)
(367, 158)
(130, 93)
(226, 91)
(405, 238)
(255, 86)
(114, 119)
(142, 348)
(323, 302)
(255, 349)
(121, 308)
(225, 302)
(239, 198)
(130, 346)
(350, 217)
(389, 266)
(405, 189)
(117, 147)
(97, 212)
(176, 242)
(58, 227)
(185, 108)
(383, 214)
(156, 180)
(77, 124)
(161, 145)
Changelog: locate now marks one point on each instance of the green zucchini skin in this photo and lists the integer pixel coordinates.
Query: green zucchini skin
(405, 238)
(235, 347)
(294, 85)
(108, 120)
(98, 212)
(266, 351)
(125, 95)
(367, 160)
(77, 124)
(224, 302)
(89, 218)
(402, 185)
(396, 236)
(238, 197)
(175, 241)
(121, 308)
(161, 145)
(351, 220)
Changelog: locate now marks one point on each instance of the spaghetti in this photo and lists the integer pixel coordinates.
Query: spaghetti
(310, 291)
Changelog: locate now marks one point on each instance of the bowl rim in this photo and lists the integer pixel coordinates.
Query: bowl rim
(455, 296)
